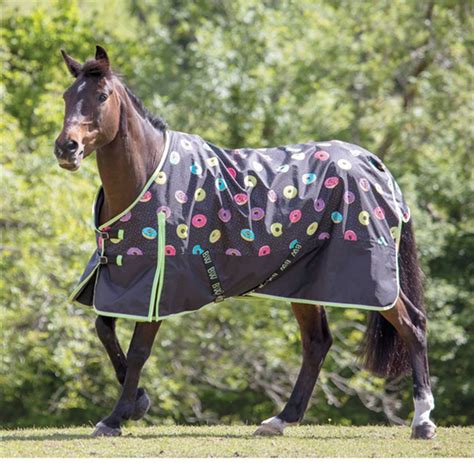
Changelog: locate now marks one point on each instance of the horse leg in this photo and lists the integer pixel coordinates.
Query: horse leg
(316, 339)
(138, 353)
(415, 339)
(105, 327)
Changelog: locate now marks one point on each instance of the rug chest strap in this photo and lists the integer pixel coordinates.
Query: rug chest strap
(115, 235)
(111, 260)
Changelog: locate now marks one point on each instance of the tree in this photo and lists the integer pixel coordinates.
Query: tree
(392, 76)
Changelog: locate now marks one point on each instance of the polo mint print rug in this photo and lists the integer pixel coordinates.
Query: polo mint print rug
(317, 222)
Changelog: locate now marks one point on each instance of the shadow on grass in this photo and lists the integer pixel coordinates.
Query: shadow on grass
(239, 436)
(170, 435)
(54, 437)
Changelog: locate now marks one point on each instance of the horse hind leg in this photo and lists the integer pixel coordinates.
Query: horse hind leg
(105, 327)
(410, 324)
(316, 340)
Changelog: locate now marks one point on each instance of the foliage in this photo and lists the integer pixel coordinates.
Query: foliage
(392, 75)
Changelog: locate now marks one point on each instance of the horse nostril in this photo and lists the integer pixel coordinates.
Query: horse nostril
(71, 146)
(57, 151)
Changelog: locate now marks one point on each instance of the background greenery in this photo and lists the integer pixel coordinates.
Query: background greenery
(394, 76)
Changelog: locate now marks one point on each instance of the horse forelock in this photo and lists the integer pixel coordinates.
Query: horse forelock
(96, 68)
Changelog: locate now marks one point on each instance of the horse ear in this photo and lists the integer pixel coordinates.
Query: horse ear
(101, 55)
(73, 65)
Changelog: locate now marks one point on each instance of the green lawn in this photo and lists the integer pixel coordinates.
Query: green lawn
(236, 441)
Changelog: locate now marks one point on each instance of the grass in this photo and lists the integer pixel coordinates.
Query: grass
(236, 441)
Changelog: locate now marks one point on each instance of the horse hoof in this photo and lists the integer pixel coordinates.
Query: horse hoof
(102, 430)
(142, 405)
(424, 431)
(271, 427)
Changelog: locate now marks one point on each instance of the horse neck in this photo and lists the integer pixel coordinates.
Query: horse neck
(126, 164)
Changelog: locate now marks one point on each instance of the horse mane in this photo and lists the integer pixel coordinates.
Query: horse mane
(99, 68)
(156, 121)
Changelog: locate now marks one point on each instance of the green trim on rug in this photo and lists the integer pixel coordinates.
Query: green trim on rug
(160, 263)
(326, 304)
(93, 272)
(81, 285)
(136, 318)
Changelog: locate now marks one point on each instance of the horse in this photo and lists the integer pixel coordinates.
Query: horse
(103, 115)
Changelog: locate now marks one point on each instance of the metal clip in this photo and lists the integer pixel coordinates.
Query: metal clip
(103, 260)
(104, 235)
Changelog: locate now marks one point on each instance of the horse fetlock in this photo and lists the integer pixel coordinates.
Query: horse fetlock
(142, 405)
(425, 430)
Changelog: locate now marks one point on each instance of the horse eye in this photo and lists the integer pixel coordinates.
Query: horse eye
(103, 97)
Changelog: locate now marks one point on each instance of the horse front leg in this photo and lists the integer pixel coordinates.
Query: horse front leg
(138, 353)
(414, 335)
(316, 339)
(105, 327)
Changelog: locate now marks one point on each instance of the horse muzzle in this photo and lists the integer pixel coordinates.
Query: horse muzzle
(69, 154)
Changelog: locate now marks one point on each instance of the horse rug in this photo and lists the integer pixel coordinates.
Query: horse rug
(317, 222)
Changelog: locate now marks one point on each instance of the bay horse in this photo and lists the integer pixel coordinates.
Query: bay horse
(103, 115)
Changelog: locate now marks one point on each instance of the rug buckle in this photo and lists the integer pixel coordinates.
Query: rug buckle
(104, 235)
(103, 260)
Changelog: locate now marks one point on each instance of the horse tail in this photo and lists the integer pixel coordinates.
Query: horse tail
(383, 351)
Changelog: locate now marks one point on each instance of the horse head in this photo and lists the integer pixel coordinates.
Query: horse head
(92, 110)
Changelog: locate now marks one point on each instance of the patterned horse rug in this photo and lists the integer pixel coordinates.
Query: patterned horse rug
(313, 222)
